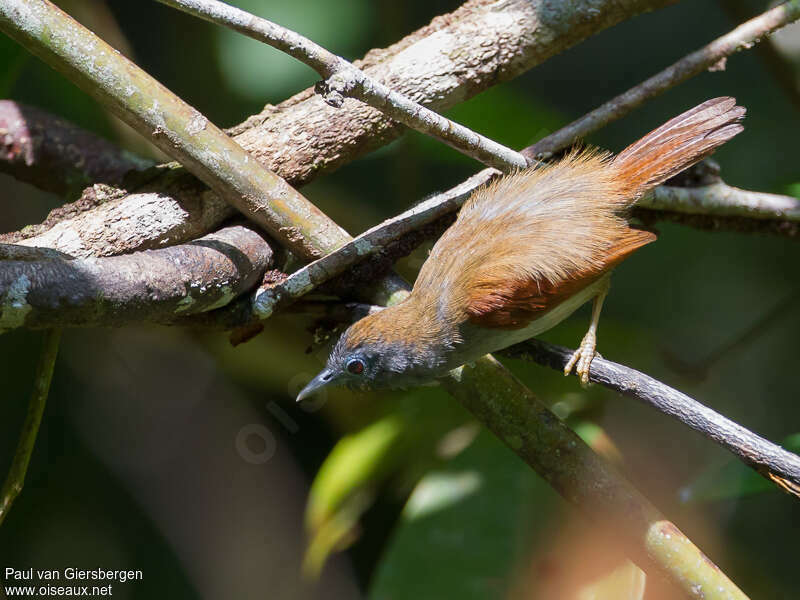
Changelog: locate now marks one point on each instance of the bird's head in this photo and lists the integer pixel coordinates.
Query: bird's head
(382, 350)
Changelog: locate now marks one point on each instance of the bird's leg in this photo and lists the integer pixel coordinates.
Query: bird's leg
(582, 357)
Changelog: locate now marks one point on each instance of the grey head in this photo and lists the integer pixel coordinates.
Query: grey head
(373, 362)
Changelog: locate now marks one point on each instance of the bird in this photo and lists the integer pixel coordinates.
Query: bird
(523, 254)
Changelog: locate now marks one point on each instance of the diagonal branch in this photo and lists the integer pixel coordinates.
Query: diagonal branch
(27, 439)
(743, 37)
(770, 460)
(343, 79)
(269, 298)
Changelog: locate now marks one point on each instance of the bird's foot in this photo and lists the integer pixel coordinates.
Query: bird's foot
(582, 358)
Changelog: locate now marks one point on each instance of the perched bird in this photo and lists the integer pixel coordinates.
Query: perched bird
(524, 253)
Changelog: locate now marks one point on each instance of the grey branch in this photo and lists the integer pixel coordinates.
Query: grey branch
(743, 37)
(27, 438)
(57, 156)
(342, 79)
(152, 285)
(768, 459)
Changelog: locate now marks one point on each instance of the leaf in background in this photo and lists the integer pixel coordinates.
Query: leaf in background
(406, 441)
(466, 527)
(732, 480)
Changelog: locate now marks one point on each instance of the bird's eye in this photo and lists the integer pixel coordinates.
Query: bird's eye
(355, 366)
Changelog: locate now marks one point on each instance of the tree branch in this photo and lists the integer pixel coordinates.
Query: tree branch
(342, 79)
(57, 156)
(719, 206)
(151, 285)
(108, 221)
(743, 37)
(27, 439)
(768, 459)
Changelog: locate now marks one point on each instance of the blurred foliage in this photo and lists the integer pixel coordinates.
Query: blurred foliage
(404, 479)
(732, 480)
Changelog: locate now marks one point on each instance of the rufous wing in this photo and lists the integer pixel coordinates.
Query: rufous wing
(496, 302)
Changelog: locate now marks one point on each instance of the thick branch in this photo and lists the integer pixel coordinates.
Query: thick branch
(707, 57)
(342, 79)
(151, 285)
(770, 460)
(27, 439)
(172, 210)
(174, 126)
(57, 156)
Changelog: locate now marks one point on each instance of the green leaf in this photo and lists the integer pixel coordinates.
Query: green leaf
(406, 441)
(466, 528)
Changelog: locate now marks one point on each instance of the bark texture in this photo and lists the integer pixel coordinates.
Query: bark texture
(151, 285)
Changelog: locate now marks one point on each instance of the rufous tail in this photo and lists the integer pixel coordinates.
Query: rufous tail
(677, 145)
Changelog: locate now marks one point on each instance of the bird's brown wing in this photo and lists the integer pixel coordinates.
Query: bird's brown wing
(500, 303)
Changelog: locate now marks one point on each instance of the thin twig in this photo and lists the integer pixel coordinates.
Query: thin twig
(779, 66)
(342, 79)
(27, 439)
(715, 200)
(743, 37)
(768, 459)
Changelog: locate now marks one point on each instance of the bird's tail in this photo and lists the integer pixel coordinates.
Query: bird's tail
(677, 145)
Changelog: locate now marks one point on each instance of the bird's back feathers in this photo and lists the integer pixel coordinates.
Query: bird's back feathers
(523, 244)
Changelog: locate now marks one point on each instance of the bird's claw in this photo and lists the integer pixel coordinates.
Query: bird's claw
(582, 358)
